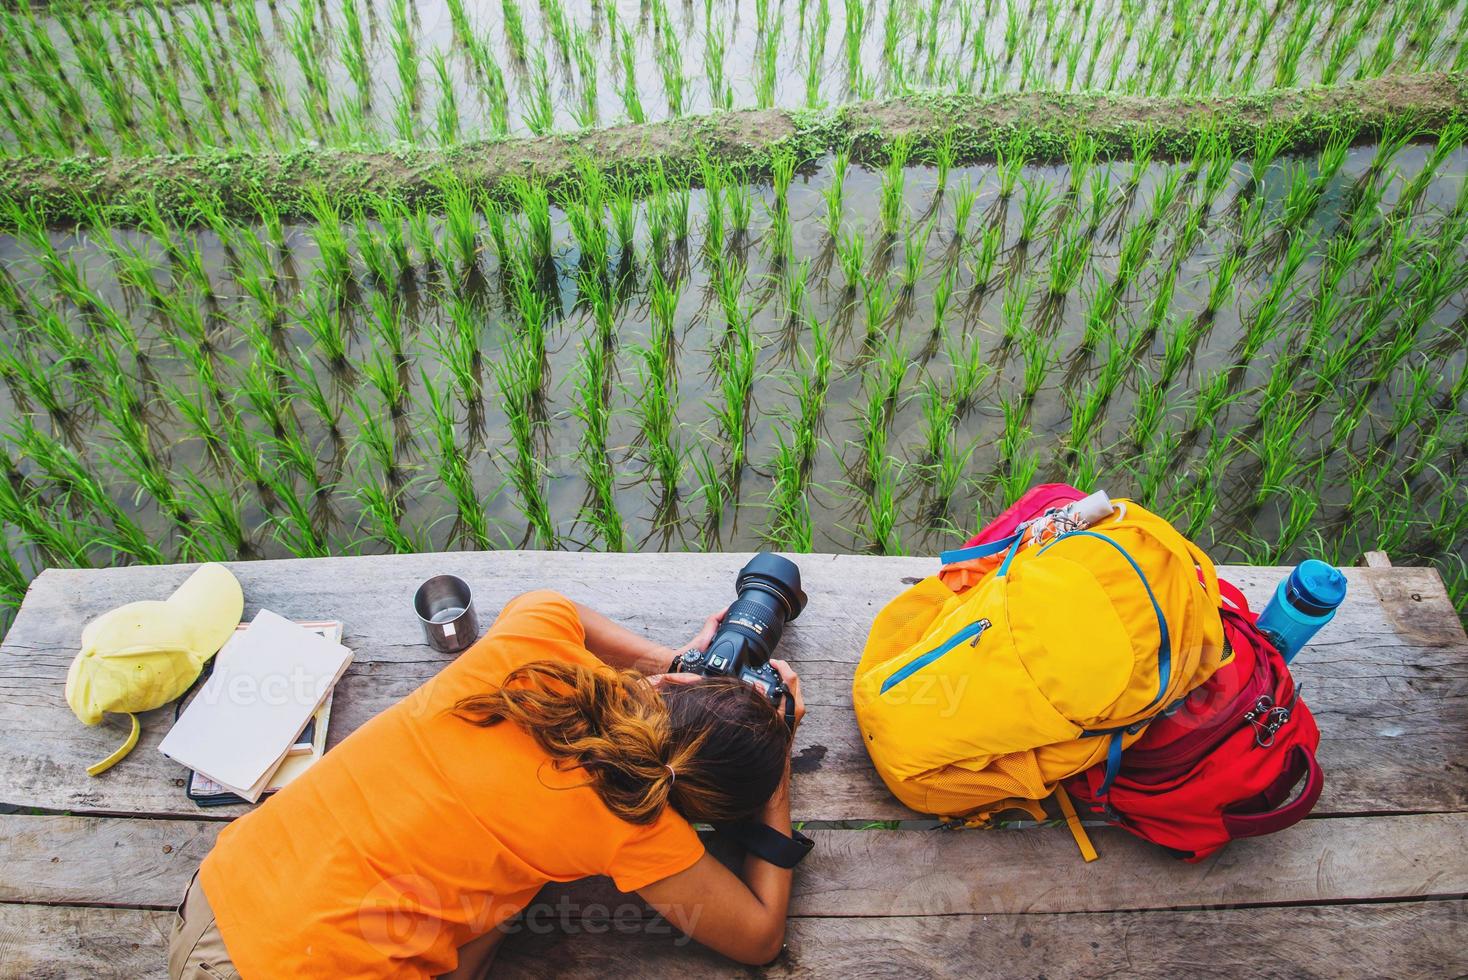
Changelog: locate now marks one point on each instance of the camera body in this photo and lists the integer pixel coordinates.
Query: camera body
(769, 596)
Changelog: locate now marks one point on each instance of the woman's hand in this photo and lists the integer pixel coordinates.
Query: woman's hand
(792, 686)
(700, 641)
(705, 634)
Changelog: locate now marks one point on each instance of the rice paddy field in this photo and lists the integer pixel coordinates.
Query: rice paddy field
(829, 344)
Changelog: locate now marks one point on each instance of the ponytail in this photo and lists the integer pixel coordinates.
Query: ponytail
(715, 749)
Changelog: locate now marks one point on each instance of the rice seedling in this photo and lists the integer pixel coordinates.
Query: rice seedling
(540, 111)
(518, 375)
(601, 513)
(471, 518)
(790, 526)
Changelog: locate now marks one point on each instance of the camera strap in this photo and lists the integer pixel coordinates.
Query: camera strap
(767, 843)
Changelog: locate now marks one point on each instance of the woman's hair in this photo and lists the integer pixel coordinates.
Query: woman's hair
(715, 749)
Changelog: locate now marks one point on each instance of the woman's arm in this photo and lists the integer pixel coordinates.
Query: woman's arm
(618, 646)
(741, 916)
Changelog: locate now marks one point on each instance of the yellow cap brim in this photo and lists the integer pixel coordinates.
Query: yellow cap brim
(213, 603)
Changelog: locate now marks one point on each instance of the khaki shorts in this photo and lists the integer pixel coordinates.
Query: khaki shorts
(195, 948)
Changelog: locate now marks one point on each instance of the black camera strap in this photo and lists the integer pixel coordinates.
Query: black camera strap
(767, 843)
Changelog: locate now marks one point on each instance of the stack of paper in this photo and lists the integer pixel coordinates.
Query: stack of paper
(267, 683)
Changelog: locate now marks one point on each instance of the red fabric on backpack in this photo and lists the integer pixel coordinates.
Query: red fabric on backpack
(1224, 763)
(1031, 504)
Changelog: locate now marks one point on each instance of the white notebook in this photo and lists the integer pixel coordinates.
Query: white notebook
(268, 681)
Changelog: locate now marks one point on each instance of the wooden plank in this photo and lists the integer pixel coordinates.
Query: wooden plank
(1406, 940)
(1386, 678)
(42, 942)
(1376, 559)
(147, 863)
(1417, 939)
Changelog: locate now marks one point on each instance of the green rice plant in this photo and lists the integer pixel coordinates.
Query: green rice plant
(880, 305)
(131, 449)
(60, 540)
(850, 251)
(76, 490)
(624, 217)
(970, 370)
(790, 526)
(1017, 462)
(813, 383)
(767, 61)
(591, 408)
(320, 318)
(354, 54)
(539, 115)
(405, 58)
(382, 518)
(534, 201)
(715, 50)
(588, 112)
(670, 61)
(1009, 160)
(963, 206)
(446, 111)
(1038, 359)
(795, 289)
(893, 178)
(914, 248)
(518, 374)
(982, 267)
(471, 518)
(492, 87)
(716, 494)
(461, 223)
(335, 259)
(1068, 258)
(1016, 300)
(736, 383)
(631, 100)
(514, 28)
(656, 412)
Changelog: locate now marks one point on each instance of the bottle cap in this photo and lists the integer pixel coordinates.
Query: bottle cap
(1316, 587)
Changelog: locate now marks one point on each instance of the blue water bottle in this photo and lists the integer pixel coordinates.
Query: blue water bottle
(1305, 601)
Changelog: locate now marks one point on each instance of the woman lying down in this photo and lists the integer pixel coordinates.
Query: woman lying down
(555, 748)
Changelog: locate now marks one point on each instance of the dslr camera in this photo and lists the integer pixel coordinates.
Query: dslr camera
(769, 596)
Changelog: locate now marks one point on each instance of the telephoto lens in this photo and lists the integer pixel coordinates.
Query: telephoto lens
(769, 596)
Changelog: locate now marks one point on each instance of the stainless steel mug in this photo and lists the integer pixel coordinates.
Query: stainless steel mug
(445, 607)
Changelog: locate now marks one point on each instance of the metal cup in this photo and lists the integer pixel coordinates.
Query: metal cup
(445, 607)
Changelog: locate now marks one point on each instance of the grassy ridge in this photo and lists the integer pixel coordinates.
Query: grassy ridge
(1037, 126)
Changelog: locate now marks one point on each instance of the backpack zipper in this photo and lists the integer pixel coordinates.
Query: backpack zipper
(1155, 765)
(971, 633)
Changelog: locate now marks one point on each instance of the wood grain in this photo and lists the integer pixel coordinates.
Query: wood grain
(1403, 940)
(1387, 679)
(148, 863)
(1417, 939)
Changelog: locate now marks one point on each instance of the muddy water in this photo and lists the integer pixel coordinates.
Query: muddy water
(1164, 468)
(976, 45)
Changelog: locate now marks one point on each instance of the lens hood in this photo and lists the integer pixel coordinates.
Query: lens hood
(780, 577)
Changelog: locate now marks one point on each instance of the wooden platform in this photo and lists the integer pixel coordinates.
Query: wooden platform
(1372, 884)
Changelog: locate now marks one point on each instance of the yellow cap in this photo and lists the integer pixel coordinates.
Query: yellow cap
(142, 655)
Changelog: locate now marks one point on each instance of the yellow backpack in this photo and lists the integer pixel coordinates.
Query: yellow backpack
(1034, 657)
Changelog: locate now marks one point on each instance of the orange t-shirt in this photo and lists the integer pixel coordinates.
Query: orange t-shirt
(421, 831)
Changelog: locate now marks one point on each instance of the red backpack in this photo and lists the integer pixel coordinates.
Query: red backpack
(1217, 765)
(1224, 762)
